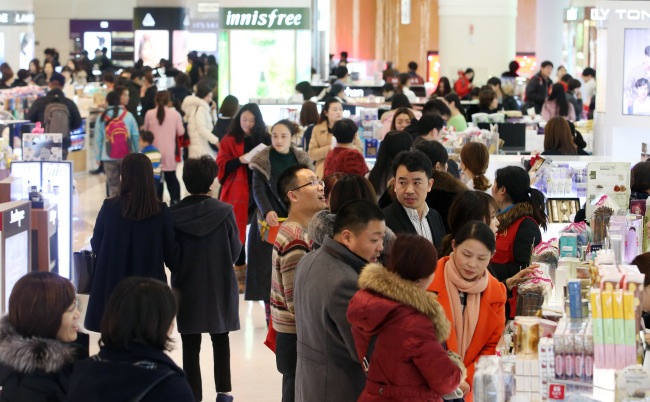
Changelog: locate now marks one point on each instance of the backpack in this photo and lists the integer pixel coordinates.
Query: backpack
(56, 118)
(118, 139)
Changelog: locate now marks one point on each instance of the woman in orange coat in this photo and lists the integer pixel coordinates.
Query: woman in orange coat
(473, 300)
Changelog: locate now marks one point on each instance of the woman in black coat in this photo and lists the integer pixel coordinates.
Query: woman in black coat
(36, 349)
(205, 279)
(132, 364)
(133, 236)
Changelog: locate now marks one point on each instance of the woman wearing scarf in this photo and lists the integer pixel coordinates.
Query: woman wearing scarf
(473, 300)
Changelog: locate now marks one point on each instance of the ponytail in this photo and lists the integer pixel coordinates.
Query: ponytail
(445, 248)
(113, 101)
(162, 100)
(539, 208)
(481, 183)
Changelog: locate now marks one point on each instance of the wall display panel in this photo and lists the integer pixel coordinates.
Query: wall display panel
(636, 71)
(184, 42)
(151, 46)
(27, 50)
(97, 40)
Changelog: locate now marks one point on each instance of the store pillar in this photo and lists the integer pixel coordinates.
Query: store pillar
(477, 34)
(548, 30)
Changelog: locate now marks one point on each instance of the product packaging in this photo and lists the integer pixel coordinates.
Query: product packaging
(575, 298)
(619, 328)
(489, 384)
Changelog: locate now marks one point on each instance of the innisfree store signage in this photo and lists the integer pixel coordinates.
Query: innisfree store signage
(264, 18)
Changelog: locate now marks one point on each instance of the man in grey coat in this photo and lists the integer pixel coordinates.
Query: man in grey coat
(325, 282)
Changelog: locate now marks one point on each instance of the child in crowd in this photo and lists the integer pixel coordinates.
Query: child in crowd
(641, 104)
(146, 139)
(344, 157)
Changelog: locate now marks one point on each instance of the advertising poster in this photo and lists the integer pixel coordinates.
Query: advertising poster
(27, 51)
(16, 262)
(636, 70)
(2, 47)
(151, 46)
(184, 42)
(608, 178)
(97, 40)
(42, 147)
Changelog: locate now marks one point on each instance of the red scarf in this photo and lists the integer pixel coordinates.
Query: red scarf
(234, 188)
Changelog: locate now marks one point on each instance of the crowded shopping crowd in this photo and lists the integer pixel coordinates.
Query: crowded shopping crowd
(380, 281)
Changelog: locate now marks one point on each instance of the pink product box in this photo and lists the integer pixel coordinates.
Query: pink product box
(599, 355)
(621, 357)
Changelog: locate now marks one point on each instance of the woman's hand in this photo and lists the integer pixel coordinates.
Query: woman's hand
(243, 159)
(464, 386)
(272, 218)
(517, 279)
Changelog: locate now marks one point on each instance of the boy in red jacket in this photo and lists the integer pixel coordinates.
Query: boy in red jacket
(344, 157)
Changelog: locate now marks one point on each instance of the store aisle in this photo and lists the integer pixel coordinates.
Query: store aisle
(254, 376)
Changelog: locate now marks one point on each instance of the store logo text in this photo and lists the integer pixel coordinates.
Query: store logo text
(602, 14)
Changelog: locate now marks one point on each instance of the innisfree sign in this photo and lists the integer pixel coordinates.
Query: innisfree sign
(264, 18)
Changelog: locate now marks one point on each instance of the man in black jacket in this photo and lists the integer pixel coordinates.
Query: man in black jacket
(36, 113)
(537, 88)
(412, 172)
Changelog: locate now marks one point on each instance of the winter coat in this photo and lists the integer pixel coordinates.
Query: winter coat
(409, 362)
(445, 189)
(165, 135)
(126, 247)
(205, 279)
(122, 375)
(490, 325)
(320, 145)
(322, 226)
(577, 104)
(100, 133)
(550, 109)
(329, 368)
(200, 122)
(36, 112)
(259, 252)
(34, 369)
(536, 92)
(398, 221)
(345, 160)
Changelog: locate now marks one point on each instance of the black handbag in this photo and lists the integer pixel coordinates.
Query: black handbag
(85, 262)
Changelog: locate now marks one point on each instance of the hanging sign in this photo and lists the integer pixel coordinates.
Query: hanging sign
(264, 18)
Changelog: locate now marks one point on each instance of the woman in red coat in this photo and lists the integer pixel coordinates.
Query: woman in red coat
(247, 130)
(463, 84)
(408, 362)
(473, 300)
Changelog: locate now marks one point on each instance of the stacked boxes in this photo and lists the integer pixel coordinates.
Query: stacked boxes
(527, 374)
(546, 365)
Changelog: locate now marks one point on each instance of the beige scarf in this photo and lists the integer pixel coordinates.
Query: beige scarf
(464, 322)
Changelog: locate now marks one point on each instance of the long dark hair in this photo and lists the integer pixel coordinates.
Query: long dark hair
(162, 100)
(326, 108)
(558, 94)
(476, 157)
(113, 100)
(517, 184)
(403, 80)
(235, 125)
(444, 92)
(137, 188)
(394, 143)
(351, 187)
(557, 135)
(467, 206)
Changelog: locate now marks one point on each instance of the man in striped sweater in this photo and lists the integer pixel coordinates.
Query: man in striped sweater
(304, 194)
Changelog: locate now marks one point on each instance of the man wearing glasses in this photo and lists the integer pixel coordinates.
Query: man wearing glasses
(304, 196)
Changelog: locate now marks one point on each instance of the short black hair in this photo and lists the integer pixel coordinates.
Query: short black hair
(109, 77)
(435, 151)
(199, 174)
(428, 122)
(413, 161)
(436, 106)
(147, 136)
(288, 180)
(413, 65)
(137, 74)
(546, 63)
(389, 87)
(641, 82)
(341, 71)
(202, 91)
(573, 84)
(344, 131)
(496, 81)
(453, 98)
(590, 72)
(356, 215)
(344, 55)
(139, 310)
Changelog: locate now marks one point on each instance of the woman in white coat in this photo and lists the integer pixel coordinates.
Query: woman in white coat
(200, 115)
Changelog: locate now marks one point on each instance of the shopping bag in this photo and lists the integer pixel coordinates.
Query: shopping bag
(85, 262)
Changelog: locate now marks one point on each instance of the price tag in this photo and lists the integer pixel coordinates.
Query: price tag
(556, 391)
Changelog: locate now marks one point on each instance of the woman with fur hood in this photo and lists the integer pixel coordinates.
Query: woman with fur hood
(521, 213)
(267, 167)
(399, 328)
(36, 350)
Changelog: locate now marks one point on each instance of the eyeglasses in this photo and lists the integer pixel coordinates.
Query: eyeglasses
(74, 306)
(314, 183)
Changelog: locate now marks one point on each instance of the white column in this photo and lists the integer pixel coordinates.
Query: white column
(548, 30)
(479, 34)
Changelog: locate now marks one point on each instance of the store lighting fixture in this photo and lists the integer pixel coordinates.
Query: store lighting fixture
(103, 24)
(572, 14)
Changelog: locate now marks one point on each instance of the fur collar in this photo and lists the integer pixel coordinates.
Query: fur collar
(27, 355)
(446, 182)
(518, 211)
(262, 161)
(392, 286)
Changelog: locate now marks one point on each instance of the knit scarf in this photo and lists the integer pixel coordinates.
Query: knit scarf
(464, 322)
